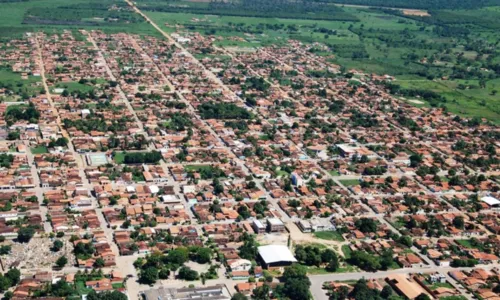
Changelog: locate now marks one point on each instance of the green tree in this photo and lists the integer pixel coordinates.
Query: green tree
(203, 255)
(423, 297)
(99, 263)
(61, 261)
(107, 295)
(149, 275)
(187, 273)
(239, 296)
(296, 283)
(14, 275)
(5, 283)
(25, 234)
(57, 245)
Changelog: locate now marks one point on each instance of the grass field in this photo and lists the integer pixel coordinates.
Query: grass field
(196, 168)
(39, 150)
(329, 235)
(347, 251)
(19, 86)
(13, 17)
(119, 157)
(349, 182)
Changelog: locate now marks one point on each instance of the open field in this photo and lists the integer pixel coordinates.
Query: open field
(329, 235)
(53, 15)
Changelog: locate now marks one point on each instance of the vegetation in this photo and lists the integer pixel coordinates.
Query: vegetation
(18, 112)
(422, 4)
(6, 160)
(25, 234)
(142, 157)
(262, 8)
(158, 265)
(447, 59)
(329, 235)
(9, 279)
(210, 110)
(314, 256)
(362, 291)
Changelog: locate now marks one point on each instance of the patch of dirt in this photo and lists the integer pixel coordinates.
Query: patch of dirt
(416, 12)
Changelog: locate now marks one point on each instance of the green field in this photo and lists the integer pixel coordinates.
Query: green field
(39, 150)
(17, 18)
(349, 182)
(329, 235)
(119, 158)
(21, 88)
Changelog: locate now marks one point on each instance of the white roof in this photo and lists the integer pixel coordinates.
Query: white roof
(258, 223)
(490, 200)
(275, 221)
(154, 189)
(275, 253)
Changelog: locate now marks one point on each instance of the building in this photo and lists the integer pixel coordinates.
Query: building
(239, 264)
(491, 201)
(275, 256)
(216, 292)
(258, 226)
(406, 286)
(275, 225)
(304, 226)
(297, 179)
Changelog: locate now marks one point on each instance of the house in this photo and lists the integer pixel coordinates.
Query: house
(239, 264)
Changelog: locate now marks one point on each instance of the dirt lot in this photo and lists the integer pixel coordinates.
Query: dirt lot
(37, 254)
(416, 12)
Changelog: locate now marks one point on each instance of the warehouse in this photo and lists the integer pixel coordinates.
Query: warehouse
(275, 256)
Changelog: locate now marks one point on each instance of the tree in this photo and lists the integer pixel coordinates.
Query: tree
(386, 292)
(261, 293)
(239, 296)
(25, 234)
(365, 261)
(296, 283)
(366, 225)
(14, 275)
(57, 245)
(164, 273)
(99, 263)
(423, 297)
(5, 249)
(327, 255)
(333, 265)
(61, 261)
(62, 289)
(149, 275)
(203, 255)
(458, 222)
(107, 295)
(187, 273)
(178, 256)
(8, 295)
(405, 240)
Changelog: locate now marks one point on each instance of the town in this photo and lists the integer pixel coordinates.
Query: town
(142, 167)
